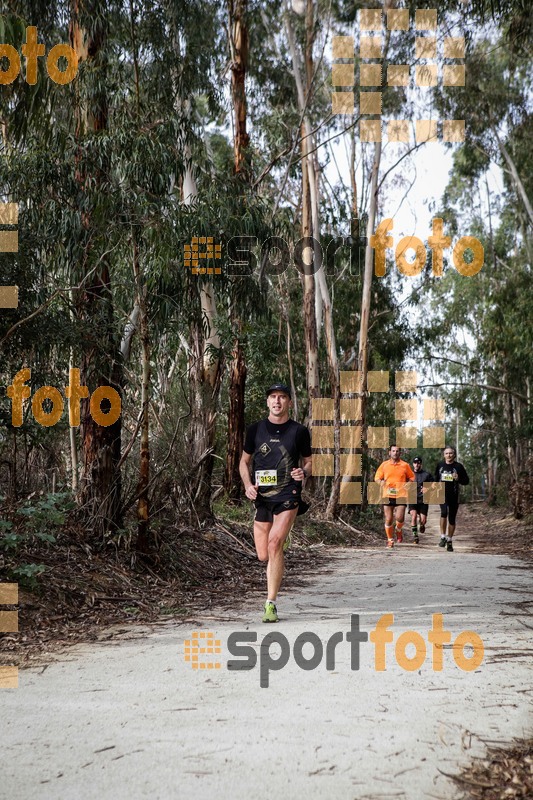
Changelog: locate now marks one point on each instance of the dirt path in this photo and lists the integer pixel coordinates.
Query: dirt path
(129, 718)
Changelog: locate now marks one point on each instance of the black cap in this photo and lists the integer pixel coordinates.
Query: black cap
(278, 387)
(417, 460)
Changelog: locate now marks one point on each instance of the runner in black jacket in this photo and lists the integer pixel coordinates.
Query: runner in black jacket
(452, 474)
(272, 450)
(421, 508)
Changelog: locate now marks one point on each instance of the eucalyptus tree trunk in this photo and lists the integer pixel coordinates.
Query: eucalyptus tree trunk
(143, 503)
(316, 292)
(204, 383)
(515, 177)
(238, 41)
(362, 359)
(308, 177)
(100, 481)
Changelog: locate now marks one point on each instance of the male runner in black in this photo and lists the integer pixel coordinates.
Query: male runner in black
(420, 508)
(453, 474)
(273, 448)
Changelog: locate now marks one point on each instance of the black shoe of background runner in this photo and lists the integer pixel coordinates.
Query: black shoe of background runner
(442, 542)
(449, 547)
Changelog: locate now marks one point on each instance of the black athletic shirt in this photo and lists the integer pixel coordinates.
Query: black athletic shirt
(421, 477)
(277, 448)
(443, 472)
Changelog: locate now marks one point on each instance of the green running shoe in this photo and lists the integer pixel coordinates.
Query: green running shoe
(271, 614)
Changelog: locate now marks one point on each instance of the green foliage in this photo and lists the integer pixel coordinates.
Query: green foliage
(27, 574)
(36, 521)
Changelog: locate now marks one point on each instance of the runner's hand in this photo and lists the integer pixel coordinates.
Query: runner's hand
(251, 492)
(297, 474)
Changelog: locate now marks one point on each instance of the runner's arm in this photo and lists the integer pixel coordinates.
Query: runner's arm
(304, 471)
(464, 480)
(244, 470)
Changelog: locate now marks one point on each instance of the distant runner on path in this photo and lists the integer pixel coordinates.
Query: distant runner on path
(393, 474)
(420, 509)
(273, 449)
(453, 474)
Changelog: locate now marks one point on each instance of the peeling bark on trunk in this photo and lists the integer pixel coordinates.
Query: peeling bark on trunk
(237, 382)
(205, 376)
(204, 381)
(239, 55)
(308, 281)
(143, 503)
(362, 360)
(237, 370)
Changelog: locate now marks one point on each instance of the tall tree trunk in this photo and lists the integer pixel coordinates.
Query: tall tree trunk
(100, 482)
(315, 285)
(362, 359)
(204, 382)
(519, 186)
(143, 503)
(239, 57)
(204, 340)
(237, 382)
(308, 281)
(237, 370)
(205, 377)
(308, 278)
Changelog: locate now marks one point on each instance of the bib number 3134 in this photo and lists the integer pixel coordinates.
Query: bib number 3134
(266, 477)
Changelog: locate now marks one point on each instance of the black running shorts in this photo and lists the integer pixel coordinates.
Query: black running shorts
(420, 508)
(266, 511)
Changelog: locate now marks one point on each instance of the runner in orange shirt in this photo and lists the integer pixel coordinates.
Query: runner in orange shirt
(392, 475)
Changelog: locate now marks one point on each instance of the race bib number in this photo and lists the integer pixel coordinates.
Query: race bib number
(266, 477)
(447, 476)
(393, 491)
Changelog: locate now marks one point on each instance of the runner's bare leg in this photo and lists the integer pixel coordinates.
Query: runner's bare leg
(279, 530)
